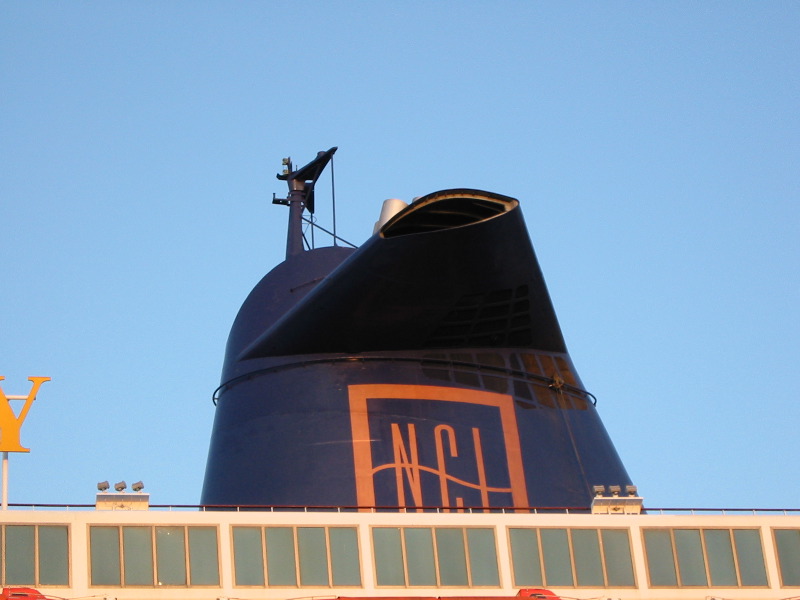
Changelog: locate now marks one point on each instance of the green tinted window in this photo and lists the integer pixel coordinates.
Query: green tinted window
(586, 553)
(419, 555)
(170, 556)
(590, 557)
(482, 557)
(388, 556)
(750, 557)
(306, 556)
(313, 556)
(203, 562)
(104, 555)
(20, 555)
(691, 565)
(281, 565)
(788, 543)
(660, 560)
(721, 566)
(707, 558)
(555, 551)
(525, 557)
(617, 554)
(137, 548)
(53, 555)
(248, 556)
(344, 556)
(452, 557)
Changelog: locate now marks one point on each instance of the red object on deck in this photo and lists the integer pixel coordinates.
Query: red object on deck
(537, 593)
(21, 593)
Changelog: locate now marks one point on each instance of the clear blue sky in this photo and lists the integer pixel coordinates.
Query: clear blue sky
(655, 147)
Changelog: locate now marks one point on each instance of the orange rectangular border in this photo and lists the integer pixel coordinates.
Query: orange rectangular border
(362, 451)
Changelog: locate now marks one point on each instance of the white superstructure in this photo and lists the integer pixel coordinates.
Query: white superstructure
(188, 554)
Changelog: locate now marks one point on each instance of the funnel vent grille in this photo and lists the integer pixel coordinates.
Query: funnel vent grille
(530, 378)
(500, 318)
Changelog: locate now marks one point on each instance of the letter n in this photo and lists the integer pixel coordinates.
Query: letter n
(403, 464)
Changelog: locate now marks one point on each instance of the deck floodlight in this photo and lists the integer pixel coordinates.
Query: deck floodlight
(102, 486)
(138, 486)
(599, 490)
(615, 489)
(120, 486)
(632, 490)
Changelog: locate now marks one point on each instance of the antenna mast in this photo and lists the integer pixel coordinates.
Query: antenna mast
(301, 196)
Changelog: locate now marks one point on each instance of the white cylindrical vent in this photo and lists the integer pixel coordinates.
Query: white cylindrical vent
(390, 208)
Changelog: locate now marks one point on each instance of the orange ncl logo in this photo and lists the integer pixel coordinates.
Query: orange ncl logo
(420, 445)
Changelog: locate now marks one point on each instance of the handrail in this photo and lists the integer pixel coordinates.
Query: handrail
(414, 509)
(723, 511)
(533, 378)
